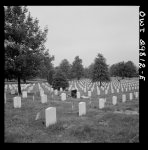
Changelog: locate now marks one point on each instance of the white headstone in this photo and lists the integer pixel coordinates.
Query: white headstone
(78, 94)
(61, 89)
(82, 108)
(24, 94)
(85, 89)
(50, 116)
(106, 91)
(101, 103)
(5, 97)
(44, 98)
(123, 98)
(51, 89)
(112, 90)
(89, 93)
(56, 92)
(130, 96)
(12, 91)
(98, 92)
(63, 96)
(136, 94)
(17, 102)
(114, 100)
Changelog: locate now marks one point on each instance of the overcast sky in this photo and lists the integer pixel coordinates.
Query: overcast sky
(88, 30)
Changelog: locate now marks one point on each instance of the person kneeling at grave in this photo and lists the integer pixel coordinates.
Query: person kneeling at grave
(74, 93)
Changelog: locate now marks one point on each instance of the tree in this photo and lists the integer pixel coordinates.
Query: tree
(123, 69)
(59, 80)
(46, 66)
(100, 70)
(24, 43)
(77, 68)
(65, 68)
(51, 73)
(130, 69)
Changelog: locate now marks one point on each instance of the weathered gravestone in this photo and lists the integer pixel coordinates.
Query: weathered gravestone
(82, 108)
(50, 116)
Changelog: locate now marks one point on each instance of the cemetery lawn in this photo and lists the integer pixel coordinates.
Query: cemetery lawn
(97, 126)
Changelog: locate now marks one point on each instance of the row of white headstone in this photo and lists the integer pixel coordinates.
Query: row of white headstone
(50, 113)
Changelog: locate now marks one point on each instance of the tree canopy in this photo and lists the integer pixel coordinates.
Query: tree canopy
(77, 68)
(124, 69)
(24, 43)
(100, 70)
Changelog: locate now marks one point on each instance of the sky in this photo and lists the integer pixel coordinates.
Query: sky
(85, 31)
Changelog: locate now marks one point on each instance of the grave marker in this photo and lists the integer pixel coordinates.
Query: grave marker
(50, 116)
(17, 102)
(44, 98)
(130, 96)
(123, 98)
(78, 94)
(24, 94)
(63, 96)
(101, 103)
(82, 108)
(89, 93)
(114, 100)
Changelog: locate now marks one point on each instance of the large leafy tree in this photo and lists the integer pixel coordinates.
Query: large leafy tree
(65, 68)
(100, 71)
(59, 80)
(24, 43)
(46, 65)
(123, 69)
(77, 69)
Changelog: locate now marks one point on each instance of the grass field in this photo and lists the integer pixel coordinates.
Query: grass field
(97, 126)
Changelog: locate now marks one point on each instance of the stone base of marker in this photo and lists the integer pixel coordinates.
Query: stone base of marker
(101, 103)
(114, 100)
(50, 116)
(17, 102)
(82, 108)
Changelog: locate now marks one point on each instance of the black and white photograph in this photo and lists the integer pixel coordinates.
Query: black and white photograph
(71, 74)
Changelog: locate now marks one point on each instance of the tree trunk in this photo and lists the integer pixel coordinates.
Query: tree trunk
(19, 86)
